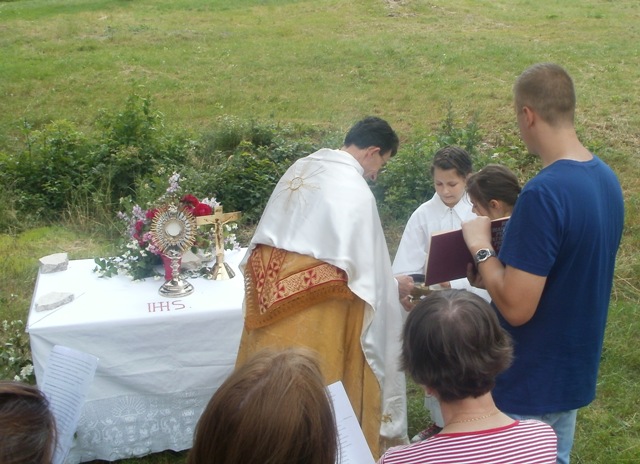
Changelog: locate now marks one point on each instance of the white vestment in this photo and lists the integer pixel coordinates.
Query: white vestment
(323, 207)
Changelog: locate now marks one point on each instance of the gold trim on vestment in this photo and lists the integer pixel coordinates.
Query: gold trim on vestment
(280, 282)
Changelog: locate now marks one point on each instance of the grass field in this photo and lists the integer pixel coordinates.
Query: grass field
(327, 63)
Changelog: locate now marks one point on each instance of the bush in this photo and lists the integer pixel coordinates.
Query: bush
(406, 181)
(8, 214)
(54, 164)
(133, 144)
(240, 163)
(63, 173)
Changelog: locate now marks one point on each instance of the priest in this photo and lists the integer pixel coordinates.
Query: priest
(318, 274)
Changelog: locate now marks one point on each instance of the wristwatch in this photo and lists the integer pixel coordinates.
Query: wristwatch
(483, 254)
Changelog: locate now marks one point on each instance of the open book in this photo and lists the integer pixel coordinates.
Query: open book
(353, 445)
(449, 256)
(67, 378)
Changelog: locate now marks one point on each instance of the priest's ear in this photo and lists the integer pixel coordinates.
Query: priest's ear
(372, 150)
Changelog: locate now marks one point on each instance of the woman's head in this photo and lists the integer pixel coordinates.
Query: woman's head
(493, 191)
(272, 410)
(453, 344)
(450, 168)
(27, 426)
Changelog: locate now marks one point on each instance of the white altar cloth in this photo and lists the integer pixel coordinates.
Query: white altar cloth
(160, 359)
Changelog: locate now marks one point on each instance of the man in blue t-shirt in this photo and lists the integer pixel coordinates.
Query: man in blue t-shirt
(552, 281)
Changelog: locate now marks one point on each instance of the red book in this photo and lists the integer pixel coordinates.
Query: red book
(449, 256)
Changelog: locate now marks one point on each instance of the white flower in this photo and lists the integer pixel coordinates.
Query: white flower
(210, 201)
(26, 371)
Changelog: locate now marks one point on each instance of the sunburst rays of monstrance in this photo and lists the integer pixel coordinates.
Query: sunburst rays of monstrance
(173, 231)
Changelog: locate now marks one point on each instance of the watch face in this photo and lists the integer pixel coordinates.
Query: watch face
(483, 255)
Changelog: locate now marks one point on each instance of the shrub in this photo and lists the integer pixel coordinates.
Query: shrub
(468, 136)
(54, 164)
(406, 180)
(242, 176)
(133, 144)
(8, 214)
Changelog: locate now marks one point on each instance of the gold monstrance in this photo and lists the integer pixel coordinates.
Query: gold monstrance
(220, 270)
(173, 231)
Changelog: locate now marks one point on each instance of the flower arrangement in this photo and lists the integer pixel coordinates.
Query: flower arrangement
(139, 258)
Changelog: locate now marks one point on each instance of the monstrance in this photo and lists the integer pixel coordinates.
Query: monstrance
(173, 231)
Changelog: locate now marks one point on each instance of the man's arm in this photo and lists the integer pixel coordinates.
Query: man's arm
(516, 293)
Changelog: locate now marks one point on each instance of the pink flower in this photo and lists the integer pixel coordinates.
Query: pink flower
(139, 232)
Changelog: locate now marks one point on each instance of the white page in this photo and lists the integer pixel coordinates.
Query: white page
(67, 378)
(353, 446)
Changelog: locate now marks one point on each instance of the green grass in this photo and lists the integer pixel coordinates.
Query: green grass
(326, 63)
(318, 62)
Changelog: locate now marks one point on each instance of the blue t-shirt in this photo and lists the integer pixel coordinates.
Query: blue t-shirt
(566, 225)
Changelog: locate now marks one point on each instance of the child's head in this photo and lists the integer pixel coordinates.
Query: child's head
(493, 191)
(450, 168)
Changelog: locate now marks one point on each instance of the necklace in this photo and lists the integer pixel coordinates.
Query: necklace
(473, 419)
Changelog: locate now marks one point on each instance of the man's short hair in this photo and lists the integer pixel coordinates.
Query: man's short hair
(548, 89)
(453, 343)
(373, 132)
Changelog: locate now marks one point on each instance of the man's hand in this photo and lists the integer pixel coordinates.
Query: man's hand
(405, 285)
(477, 233)
(408, 302)
(474, 277)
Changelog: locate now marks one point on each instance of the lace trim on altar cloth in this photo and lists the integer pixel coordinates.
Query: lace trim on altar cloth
(136, 425)
(279, 283)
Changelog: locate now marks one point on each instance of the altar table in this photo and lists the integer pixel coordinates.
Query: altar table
(160, 359)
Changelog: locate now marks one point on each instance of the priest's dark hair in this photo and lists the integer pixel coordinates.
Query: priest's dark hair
(274, 409)
(373, 132)
(27, 425)
(453, 343)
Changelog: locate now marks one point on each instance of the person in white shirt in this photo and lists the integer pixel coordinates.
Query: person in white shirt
(449, 207)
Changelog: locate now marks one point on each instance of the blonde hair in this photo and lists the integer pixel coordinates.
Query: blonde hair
(548, 89)
(272, 410)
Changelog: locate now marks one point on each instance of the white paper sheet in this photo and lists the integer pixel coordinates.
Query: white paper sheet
(353, 445)
(67, 378)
